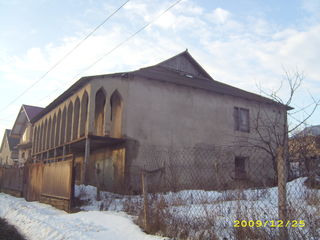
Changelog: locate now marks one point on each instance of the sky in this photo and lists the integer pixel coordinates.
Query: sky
(249, 44)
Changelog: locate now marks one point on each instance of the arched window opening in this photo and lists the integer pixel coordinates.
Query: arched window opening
(38, 139)
(84, 113)
(48, 134)
(44, 137)
(53, 128)
(63, 126)
(116, 114)
(69, 122)
(100, 102)
(57, 140)
(34, 143)
(76, 115)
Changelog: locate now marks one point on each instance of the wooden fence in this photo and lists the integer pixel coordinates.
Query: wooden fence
(33, 181)
(12, 181)
(57, 184)
(50, 183)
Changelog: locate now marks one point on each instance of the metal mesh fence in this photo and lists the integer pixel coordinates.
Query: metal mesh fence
(216, 192)
(225, 193)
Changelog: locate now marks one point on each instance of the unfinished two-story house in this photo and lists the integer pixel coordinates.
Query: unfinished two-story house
(107, 124)
(304, 150)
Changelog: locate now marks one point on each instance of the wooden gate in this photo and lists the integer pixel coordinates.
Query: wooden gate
(50, 183)
(33, 181)
(57, 184)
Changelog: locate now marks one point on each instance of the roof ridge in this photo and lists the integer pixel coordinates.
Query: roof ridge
(26, 105)
(191, 59)
(182, 73)
(204, 83)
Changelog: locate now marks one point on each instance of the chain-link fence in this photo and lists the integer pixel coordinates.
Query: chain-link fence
(224, 193)
(217, 192)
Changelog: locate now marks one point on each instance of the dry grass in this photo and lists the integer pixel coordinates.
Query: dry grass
(164, 220)
(312, 197)
(199, 216)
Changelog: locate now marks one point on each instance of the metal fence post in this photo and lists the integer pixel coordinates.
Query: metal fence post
(282, 191)
(145, 201)
(85, 169)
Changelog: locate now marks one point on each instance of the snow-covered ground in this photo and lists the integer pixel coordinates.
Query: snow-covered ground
(197, 214)
(39, 221)
(215, 212)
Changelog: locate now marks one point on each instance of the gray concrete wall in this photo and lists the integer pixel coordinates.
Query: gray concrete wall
(169, 116)
(109, 86)
(159, 119)
(49, 141)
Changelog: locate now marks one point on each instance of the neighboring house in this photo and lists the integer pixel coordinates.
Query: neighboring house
(8, 150)
(22, 130)
(304, 150)
(106, 122)
(310, 131)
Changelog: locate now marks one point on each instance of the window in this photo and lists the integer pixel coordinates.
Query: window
(25, 135)
(241, 119)
(240, 167)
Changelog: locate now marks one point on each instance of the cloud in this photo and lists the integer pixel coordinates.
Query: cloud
(312, 6)
(231, 49)
(220, 16)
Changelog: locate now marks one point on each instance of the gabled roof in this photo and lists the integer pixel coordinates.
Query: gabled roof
(25, 115)
(184, 62)
(310, 131)
(31, 111)
(181, 69)
(11, 141)
(168, 75)
(4, 138)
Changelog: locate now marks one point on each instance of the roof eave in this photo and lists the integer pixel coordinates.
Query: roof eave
(70, 91)
(262, 99)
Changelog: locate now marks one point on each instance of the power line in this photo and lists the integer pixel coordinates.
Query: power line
(5, 120)
(64, 57)
(120, 44)
(128, 38)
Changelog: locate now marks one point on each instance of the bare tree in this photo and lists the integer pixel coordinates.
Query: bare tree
(271, 129)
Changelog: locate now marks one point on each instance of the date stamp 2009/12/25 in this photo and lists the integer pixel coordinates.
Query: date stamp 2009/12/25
(269, 223)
